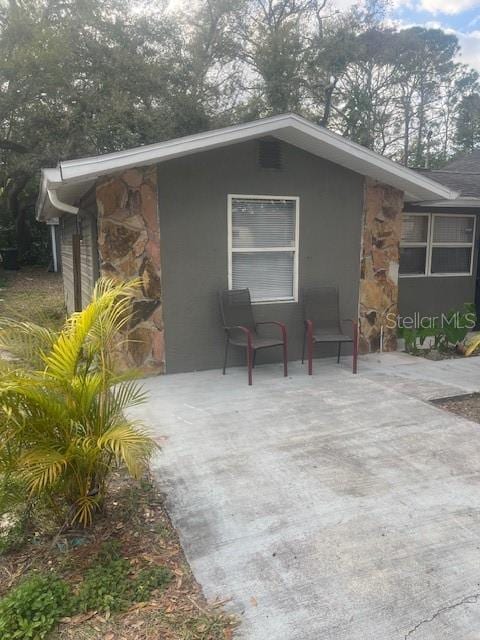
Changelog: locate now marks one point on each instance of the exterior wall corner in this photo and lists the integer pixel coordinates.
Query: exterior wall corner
(379, 266)
(129, 247)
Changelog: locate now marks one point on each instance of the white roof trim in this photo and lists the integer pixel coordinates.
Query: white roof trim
(288, 127)
(465, 203)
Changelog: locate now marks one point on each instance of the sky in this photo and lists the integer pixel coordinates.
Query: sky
(461, 17)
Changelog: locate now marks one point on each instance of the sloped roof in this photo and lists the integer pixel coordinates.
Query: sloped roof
(468, 163)
(467, 184)
(69, 180)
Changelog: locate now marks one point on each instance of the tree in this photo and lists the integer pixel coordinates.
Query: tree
(77, 78)
(468, 123)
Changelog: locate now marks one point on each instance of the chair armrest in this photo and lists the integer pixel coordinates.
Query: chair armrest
(245, 330)
(282, 326)
(354, 325)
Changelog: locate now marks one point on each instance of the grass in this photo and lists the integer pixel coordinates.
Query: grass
(34, 295)
(128, 573)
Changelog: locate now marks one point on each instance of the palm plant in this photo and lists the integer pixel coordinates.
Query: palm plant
(62, 423)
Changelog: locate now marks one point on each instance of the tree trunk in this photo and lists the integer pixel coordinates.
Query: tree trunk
(18, 213)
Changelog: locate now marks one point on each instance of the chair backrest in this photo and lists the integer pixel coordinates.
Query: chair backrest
(236, 308)
(320, 304)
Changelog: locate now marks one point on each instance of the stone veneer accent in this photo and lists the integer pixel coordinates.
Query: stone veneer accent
(129, 247)
(380, 255)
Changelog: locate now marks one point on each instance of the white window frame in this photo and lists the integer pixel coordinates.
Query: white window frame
(295, 249)
(430, 245)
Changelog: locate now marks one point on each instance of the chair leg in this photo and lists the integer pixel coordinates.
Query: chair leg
(304, 340)
(250, 357)
(285, 357)
(338, 352)
(310, 355)
(227, 342)
(355, 348)
(254, 359)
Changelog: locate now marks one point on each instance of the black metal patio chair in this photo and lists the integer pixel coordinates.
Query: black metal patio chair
(323, 324)
(241, 329)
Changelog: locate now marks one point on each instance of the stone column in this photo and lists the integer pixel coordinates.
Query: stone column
(129, 247)
(380, 254)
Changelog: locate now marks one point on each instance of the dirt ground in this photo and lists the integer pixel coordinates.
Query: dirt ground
(32, 294)
(137, 521)
(467, 406)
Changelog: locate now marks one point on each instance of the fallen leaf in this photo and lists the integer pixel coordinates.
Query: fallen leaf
(253, 601)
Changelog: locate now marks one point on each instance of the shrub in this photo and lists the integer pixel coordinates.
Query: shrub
(150, 579)
(62, 426)
(106, 587)
(33, 608)
(109, 587)
(446, 332)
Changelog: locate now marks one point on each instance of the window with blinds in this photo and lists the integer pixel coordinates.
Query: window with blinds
(263, 247)
(414, 244)
(437, 244)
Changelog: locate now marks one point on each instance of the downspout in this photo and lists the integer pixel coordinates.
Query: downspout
(53, 234)
(61, 206)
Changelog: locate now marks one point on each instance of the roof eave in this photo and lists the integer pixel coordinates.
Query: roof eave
(288, 127)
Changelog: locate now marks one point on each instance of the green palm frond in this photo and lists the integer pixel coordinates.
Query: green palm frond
(62, 427)
(126, 394)
(130, 445)
(84, 508)
(42, 468)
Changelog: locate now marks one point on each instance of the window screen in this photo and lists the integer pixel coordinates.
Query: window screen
(264, 245)
(414, 228)
(436, 244)
(453, 229)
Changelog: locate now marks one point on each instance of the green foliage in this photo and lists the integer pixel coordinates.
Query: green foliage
(31, 610)
(456, 326)
(108, 585)
(446, 331)
(62, 423)
(150, 579)
(468, 123)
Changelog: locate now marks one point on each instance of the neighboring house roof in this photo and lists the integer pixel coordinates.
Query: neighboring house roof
(62, 187)
(467, 184)
(461, 175)
(468, 162)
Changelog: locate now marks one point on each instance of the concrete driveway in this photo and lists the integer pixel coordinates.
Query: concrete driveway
(332, 507)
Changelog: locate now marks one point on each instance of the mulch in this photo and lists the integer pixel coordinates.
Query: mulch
(467, 405)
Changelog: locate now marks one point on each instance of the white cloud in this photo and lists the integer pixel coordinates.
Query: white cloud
(470, 43)
(450, 7)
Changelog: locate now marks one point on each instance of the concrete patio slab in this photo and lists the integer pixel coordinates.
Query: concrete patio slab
(327, 508)
(422, 378)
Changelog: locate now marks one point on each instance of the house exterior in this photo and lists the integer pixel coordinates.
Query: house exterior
(438, 265)
(277, 205)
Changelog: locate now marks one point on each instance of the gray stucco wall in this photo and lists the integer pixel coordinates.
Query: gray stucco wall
(192, 196)
(433, 295)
